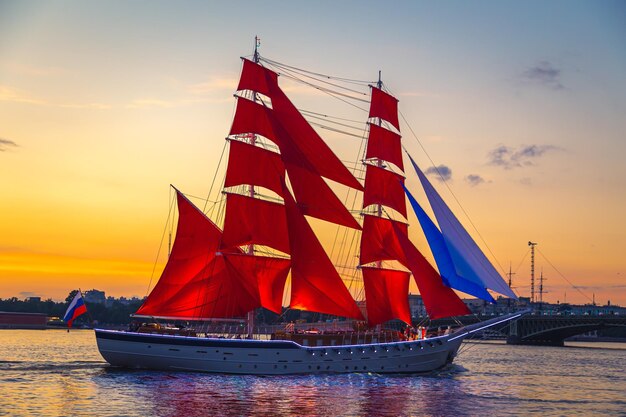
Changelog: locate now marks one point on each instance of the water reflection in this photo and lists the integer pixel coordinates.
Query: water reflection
(56, 373)
(175, 394)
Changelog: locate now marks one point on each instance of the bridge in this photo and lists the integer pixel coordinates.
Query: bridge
(552, 330)
(545, 330)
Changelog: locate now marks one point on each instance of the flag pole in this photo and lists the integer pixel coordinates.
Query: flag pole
(86, 309)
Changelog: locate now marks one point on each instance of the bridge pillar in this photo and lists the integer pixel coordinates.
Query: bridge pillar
(513, 337)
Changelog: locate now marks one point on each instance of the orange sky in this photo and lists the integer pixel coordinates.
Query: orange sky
(102, 106)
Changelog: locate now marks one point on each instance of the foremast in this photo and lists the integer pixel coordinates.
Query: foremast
(274, 152)
(250, 250)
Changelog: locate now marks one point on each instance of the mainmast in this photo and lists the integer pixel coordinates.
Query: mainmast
(386, 290)
(269, 139)
(379, 163)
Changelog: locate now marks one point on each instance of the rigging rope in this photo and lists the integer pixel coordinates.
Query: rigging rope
(334, 94)
(214, 177)
(169, 215)
(313, 116)
(332, 129)
(348, 80)
(323, 89)
(359, 122)
(563, 276)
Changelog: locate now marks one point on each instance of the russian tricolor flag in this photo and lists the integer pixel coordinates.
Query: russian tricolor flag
(75, 309)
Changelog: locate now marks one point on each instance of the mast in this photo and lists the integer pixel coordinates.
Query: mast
(379, 207)
(298, 151)
(532, 270)
(510, 275)
(213, 273)
(541, 286)
(250, 250)
(386, 290)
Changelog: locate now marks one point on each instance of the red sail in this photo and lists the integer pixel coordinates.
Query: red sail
(384, 187)
(316, 199)
(267, 274)
(257, 78)
(197, 240)
(385, 145)
(298, 131)
(248, 164)
(199, 282)
(252, 221)
(384, 106)
(379, 242)
(251, 117)
(440, 300)
(230, 286)
(386, 293)
(315, 284)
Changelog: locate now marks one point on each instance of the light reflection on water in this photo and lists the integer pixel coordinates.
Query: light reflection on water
(56, 373)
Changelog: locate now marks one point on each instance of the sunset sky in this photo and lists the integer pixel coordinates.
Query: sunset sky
(104, 104)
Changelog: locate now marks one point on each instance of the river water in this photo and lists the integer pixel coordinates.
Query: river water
(55, 373)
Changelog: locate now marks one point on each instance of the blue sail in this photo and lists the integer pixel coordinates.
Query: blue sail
(469, 261)
(443, 258)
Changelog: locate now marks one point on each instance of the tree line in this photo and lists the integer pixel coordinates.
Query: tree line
(112, 313)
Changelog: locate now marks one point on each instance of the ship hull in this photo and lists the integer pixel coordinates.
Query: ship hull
(272, 357)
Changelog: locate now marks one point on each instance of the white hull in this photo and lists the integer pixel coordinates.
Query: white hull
(272, 357)
(281, 357)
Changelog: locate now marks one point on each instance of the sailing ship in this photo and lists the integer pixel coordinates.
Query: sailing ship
(274, 180)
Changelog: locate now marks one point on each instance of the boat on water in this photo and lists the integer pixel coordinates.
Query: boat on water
(265, 247)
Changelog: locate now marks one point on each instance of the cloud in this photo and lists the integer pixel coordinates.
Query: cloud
(16, 96)
(27, 294)
(509, 158)
(35, 71)
(601, 287)
(6, 143)
(441, 173)
(474, 179)
(168, 104)
(212, 85)
(419, 94)
(11, 94)
(545, 74)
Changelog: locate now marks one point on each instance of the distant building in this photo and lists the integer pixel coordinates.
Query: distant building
(416, 306)
(10, 320)
(33, 299)
(95, 297)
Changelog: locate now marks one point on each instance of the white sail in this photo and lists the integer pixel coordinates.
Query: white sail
(468, 258)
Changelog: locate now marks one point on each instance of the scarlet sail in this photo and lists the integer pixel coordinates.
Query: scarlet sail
(208, 275)
(440, 301)
(315, 284)
(304, 154)
(379, 242)
(249, 164)
(303, 137)
(251, 117)
(384, 106)
(316, 199)
(384, 239)
(386, 294)
(201, 282)
(197, 240)
(385, 145)
(257, 78)
(384, 187)
(254, 221)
